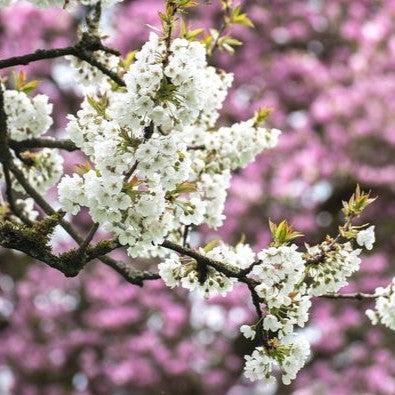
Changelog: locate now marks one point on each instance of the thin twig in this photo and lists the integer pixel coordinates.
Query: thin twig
(134, 277)
(196, 148)
(185, 236)
(88, 239)
(356, 295)
(11, 198)
(130, 172)
(87, 57)
(221, 30)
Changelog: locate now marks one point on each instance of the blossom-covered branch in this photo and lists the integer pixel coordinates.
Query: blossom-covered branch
(27, 239)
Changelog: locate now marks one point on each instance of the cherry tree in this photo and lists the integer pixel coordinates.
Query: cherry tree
(157, 164)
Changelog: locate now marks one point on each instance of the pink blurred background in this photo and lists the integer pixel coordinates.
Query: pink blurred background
(327, 68)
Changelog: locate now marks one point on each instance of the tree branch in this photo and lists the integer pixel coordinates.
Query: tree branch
(221, 29)
(40, 54)
(85, 243)
(26, 239)
(11, 198)
(87, 57)
(5, 155)
(132, 276)
(357, 296)
(185, 235)
(220, 266)
(82, 50)
(23, 145)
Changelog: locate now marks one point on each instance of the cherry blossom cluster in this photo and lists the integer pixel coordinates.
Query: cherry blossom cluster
(288, 280)
(340, 262)
(280, 274)
(384, 311)
(88, 75)
(226, 149)
(285, 279)
(26, 117)
(148, 176)
(289, 356)
(177, 270)
(29, 118)
(170, 87)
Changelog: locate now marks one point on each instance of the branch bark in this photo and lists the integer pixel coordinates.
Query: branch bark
(220, 266)
(23, 145)
(356, 295)
(82, 50)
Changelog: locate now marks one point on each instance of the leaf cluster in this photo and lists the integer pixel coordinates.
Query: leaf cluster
(283, 233)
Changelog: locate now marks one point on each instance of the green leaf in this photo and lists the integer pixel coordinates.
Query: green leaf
(237, 17)
(208, 42)
(30, 86)
(357, 203)
(190, 35)
(185, 3)
(99, 105)
(82, 168)
(184, 187)
(211, 245)
(228, 43)
(22, 85)
(283, 233)
(127, 140)
(261, 115)
(128, 60)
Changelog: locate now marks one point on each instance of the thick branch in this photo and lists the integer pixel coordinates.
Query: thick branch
(22, 145)
(34, 242)
(40, 54)
(83, 50)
